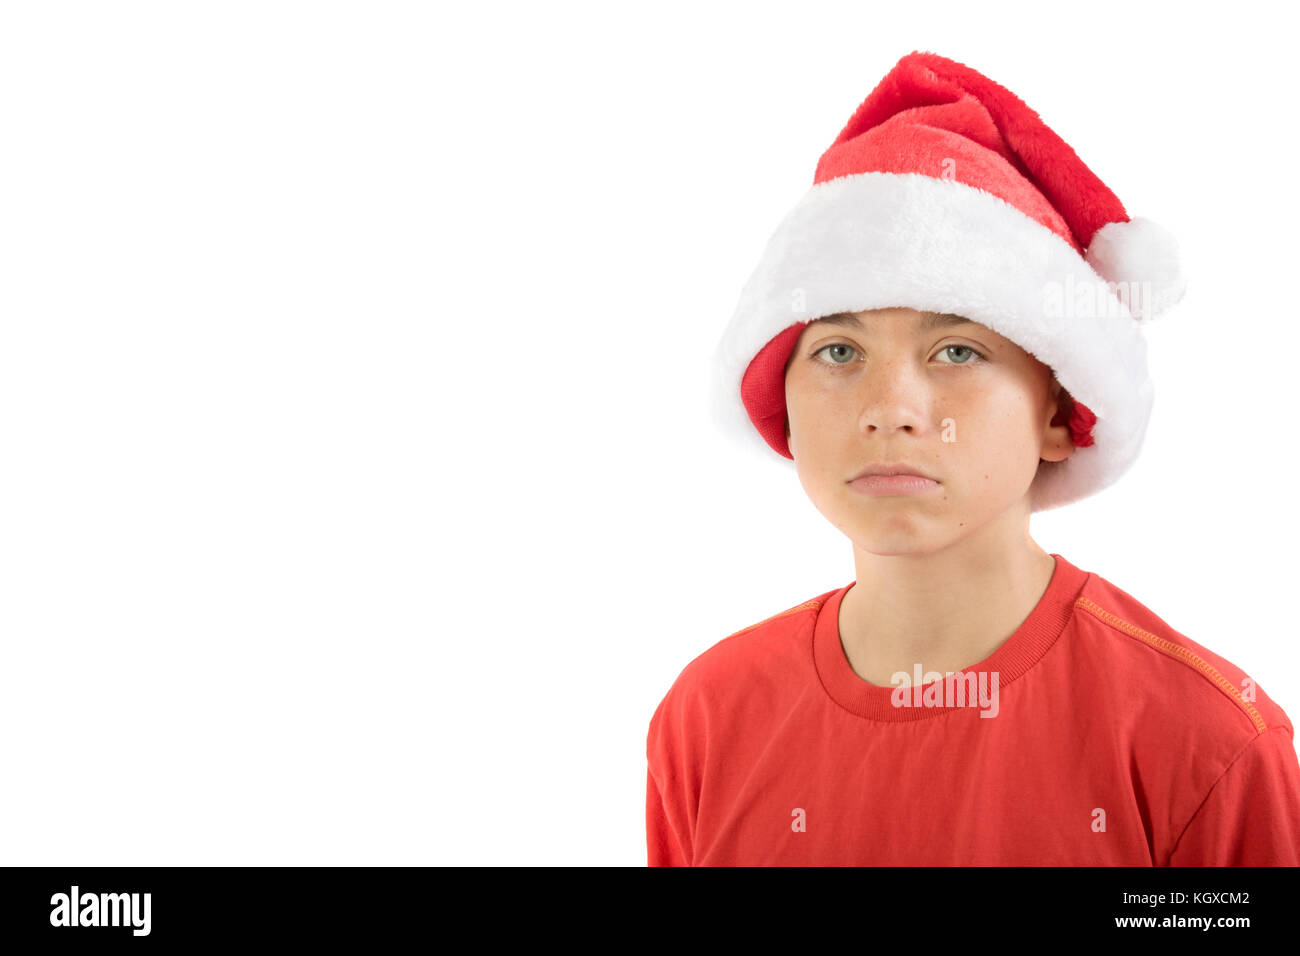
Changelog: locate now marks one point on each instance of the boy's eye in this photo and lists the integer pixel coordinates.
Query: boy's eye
(967, 351)
(842, 349)
(959, 354)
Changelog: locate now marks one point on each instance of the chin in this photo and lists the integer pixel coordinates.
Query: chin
(892, 536)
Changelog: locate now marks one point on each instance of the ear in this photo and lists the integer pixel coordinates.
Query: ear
(1064, 403)
(1057, 443)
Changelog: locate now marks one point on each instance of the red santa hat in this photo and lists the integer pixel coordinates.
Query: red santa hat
(946, 193)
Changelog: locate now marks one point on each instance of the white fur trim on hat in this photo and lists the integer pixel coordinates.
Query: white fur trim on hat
(1141, 258)
(887, 240)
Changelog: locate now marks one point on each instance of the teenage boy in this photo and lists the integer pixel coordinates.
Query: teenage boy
(944, 337)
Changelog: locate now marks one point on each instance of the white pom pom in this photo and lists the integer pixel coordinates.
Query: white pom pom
(1141, 259)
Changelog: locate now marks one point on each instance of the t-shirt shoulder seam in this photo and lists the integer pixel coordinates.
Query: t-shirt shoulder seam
(691, 667)
(1183, 655)
(810, 605)
(1217, 780)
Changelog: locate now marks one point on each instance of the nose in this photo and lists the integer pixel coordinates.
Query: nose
(893, 397)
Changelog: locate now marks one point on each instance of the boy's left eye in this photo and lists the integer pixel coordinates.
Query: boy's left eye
(960, 348)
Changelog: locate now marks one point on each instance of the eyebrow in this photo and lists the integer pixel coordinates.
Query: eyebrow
(929, 320)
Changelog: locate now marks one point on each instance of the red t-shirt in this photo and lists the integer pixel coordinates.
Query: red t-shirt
(1095, 735)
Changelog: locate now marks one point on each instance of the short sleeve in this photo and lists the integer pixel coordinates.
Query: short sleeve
(1251, 816)
(663, 844)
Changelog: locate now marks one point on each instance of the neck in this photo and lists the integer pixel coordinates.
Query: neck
(945, 610)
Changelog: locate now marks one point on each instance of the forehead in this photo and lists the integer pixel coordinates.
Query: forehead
(927, 321)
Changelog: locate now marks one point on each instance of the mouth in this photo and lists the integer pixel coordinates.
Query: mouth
(882, 486)
(898, 470)
(893, 480)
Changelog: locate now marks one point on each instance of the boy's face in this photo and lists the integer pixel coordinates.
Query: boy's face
(958, 402)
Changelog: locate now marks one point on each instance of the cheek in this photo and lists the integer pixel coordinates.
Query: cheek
(994, 429)
(807, 405)
(1008, 445)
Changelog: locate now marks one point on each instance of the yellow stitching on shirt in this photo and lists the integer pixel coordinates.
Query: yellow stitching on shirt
(1178, 651)
(814, 603)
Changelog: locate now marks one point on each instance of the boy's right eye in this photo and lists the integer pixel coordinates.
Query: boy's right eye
(837, 349)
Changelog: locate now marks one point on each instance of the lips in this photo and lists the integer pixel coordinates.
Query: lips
(898, 468)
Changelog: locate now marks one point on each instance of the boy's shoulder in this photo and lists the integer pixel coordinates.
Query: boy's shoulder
(777, 644)
(1176, 677)
(1174, 685)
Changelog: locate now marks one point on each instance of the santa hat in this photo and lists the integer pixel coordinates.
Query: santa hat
(946, 193)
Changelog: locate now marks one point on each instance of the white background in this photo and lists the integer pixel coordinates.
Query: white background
(359, 497)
